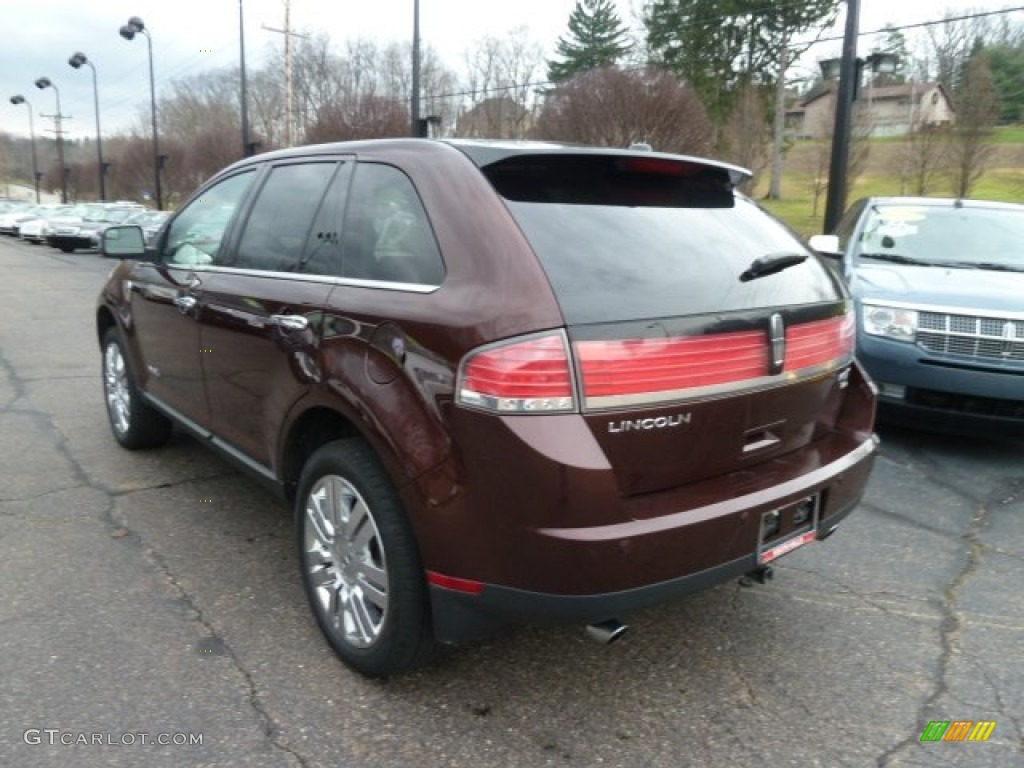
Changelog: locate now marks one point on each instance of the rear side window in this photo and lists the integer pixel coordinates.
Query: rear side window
(387, 236)
(629, 238)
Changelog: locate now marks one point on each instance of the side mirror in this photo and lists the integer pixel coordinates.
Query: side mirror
(125, 242)
(826, 245)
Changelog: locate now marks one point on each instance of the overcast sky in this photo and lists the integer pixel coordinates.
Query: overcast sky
(190, 36)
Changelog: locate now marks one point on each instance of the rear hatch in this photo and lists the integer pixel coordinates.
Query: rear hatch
(703, 337)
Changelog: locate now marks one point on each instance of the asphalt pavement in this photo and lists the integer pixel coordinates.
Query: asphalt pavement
(152, 613)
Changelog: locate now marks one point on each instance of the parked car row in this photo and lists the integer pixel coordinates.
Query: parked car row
(69, 227)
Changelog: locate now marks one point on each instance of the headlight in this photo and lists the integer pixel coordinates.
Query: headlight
(891, 322)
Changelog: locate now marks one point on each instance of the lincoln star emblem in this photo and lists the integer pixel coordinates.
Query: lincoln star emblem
(777, 339)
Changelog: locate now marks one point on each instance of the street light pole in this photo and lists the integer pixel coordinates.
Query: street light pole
(19, 99)
(835, 202)
(246, 146)
(76, 61)
(128, 32)
(415, 104)
(45, 82)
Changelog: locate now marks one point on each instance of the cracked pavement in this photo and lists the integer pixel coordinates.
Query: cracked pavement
(159, 592)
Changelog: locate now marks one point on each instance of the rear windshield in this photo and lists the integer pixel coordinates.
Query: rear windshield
(627, 238)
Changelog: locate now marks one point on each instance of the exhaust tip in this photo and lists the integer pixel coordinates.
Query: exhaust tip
(607, 632)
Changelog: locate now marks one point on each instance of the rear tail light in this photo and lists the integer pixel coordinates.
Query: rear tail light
(651, 370)
(524, 375)
(534, 374)
(821, 343)
(643, 371)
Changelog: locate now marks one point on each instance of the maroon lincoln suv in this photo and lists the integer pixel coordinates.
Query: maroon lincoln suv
(499, 382)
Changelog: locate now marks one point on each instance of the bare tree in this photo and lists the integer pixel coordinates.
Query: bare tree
(371, 117)
(819, 178)
(747, 136)
(949, 46)
(924, 158)
(860, 146)
(614, 108)
(977, 111)
(500, 73)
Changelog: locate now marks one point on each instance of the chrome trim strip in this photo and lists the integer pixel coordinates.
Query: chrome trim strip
(945, 310)
(300, 276)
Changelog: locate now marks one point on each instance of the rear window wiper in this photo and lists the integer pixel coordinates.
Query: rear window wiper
(993, 265)
(897, 258)
(771, 263)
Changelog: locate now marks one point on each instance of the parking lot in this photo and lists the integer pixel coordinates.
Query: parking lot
(157, 594)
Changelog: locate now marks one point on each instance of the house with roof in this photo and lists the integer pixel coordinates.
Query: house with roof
(498, 117)
(881, 110)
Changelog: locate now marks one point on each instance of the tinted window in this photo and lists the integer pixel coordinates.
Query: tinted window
(654, 239)
(387, 235)
(195, 235)
(323, 250)
(279, 222)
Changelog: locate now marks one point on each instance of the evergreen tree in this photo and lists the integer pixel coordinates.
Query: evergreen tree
(597, 38)
(720, 46)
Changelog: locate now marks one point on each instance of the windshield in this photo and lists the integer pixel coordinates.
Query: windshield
(944, 235)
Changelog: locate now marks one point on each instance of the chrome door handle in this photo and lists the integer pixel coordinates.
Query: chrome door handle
(290, 322)
(185, 303)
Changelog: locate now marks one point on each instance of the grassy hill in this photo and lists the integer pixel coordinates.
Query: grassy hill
(1003, 178)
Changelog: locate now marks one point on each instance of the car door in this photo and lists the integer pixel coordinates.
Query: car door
(261, 324)
(166, 298)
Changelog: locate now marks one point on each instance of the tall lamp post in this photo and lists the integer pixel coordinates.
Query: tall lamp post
(76, 61)
(45, 82)
(835, 201)
(848, 68)
(19, 99)
(134, 26)
(417, 128)
(244, 99)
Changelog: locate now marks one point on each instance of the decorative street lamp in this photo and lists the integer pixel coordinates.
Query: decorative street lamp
(134, 26)
(19, 99)
(76, 61)
(45, 82)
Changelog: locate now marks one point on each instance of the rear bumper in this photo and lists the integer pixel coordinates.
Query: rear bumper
(462, 616)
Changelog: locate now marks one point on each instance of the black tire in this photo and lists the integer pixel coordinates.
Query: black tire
(134, 422)
(67, 248)
(350, 566)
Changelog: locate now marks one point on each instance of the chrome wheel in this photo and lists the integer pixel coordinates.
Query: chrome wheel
(344, 561)
(116, 387)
